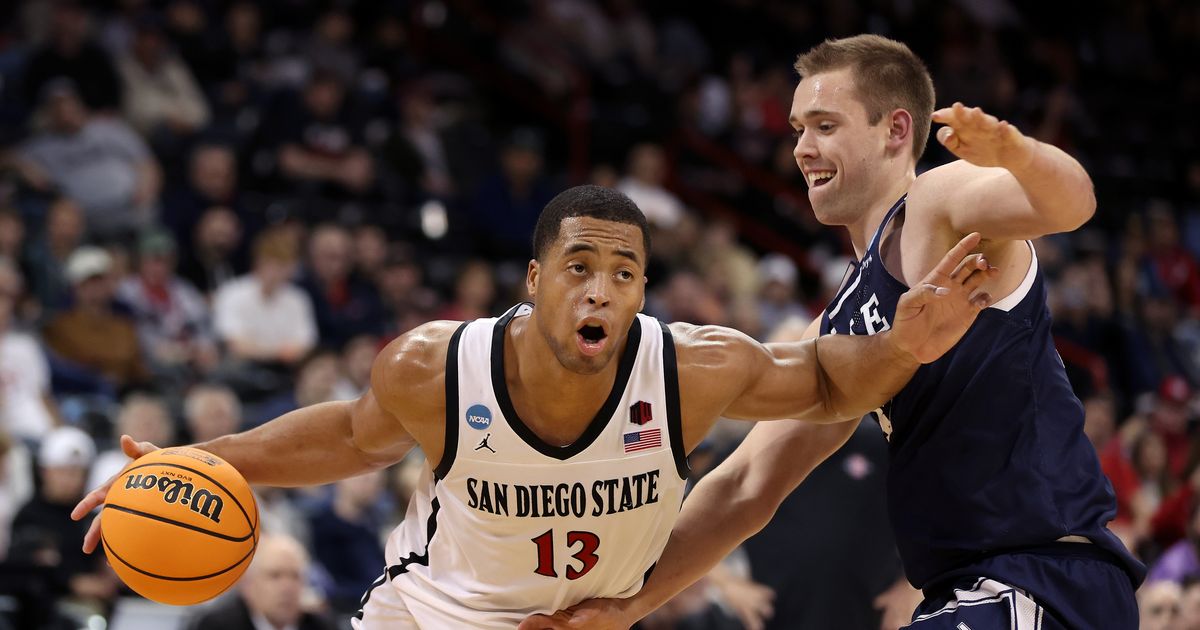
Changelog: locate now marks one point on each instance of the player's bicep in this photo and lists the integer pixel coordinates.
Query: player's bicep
(989, 200)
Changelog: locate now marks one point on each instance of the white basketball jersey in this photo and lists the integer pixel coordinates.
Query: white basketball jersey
(509, 525)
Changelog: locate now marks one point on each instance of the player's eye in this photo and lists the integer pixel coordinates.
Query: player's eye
(625, 274)
(826, 127)
(578, 269)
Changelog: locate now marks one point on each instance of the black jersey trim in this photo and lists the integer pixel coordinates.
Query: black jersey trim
(674, 415)
(633, 340)
(396, 570)
(450, 448)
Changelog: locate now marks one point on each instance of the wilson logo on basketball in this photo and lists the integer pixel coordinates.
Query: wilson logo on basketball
(174, 491)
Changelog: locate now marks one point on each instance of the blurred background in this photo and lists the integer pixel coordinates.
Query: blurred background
(213, 212)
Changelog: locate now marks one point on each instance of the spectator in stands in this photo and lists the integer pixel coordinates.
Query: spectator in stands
(507, 204)
(474, 293)
(26, 409)
(1189, 605)
(1158, 603)
(172, 317)
(49, 252)
(71, 53)
(12, 235)
(16, 484)
(644, 184)
(161, 98)
(43, 532)
(777, 299)
(97, 161)
(320, 147)
(315, 382)
(270, 594)
(358, 356)
(262, 318)
(212, 182)
(216, 255)
(211, 411)
(142, 417)
(344, 305)
(345, 534)
(1180, 561)
(91, 335)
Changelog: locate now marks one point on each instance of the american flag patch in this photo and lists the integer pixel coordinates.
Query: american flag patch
(641, 440)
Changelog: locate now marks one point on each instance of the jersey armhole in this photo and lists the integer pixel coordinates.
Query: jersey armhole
(674, 417)
(450, 449)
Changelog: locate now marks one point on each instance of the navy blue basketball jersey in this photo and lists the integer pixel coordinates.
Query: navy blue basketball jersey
(987, 451)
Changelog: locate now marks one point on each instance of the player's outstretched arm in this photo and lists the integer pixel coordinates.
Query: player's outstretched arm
(335, 440)
(1007, 185)
(841, 377)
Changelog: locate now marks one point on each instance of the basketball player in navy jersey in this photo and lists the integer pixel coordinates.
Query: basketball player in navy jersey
(587, 408)
(996, 497)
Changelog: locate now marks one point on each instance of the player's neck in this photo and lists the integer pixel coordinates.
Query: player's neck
(572, 399)
(862, 230)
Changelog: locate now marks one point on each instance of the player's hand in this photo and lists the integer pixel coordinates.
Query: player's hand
(896, 605)
(982, 139)
(95, 498)
(932, 316)
(592, 614)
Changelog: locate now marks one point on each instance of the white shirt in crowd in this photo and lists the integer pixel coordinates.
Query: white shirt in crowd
(283, 319)
(24, 385)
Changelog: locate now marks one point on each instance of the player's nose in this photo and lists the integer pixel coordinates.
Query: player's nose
(806, 147)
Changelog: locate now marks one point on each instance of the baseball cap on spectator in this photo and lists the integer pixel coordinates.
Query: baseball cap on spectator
(66, 446)
(88, 262)
(777, 268)
(1174, 389)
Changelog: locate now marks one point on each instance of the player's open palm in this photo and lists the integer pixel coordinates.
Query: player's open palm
(95, 498)
(982, 139)
(932, 316)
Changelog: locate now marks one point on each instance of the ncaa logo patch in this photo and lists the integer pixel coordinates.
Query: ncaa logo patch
(479, 417)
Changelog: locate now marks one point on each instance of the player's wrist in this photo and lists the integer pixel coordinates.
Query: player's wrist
(895, 351)
(1021, 160)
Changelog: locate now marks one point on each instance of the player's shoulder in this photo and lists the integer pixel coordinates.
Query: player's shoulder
(422, 348)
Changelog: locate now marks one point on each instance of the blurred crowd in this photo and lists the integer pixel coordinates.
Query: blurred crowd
(215, 211)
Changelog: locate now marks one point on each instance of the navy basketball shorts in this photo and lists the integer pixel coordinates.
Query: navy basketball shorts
(1064, 593)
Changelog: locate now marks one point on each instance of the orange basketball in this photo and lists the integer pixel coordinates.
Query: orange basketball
(179, 526)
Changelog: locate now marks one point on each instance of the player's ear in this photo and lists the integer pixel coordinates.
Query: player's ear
(642, 306)
(531, 278)
(900, 130)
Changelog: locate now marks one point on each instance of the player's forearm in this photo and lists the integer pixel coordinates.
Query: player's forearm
(1056, 185)
(856, 374)
(715, 519)
(735, 501)
(309, 446)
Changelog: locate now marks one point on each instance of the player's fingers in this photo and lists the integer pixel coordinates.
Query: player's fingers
(982, 300)
(92, 538)
(974, 262)
(134, 449)
(90, 501)
(948, 138)
(943, 115)
(950, 261)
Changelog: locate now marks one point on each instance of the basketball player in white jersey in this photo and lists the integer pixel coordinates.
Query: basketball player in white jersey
(557, 434)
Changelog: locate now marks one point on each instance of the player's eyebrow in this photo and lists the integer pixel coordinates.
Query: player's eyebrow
(811, 113)
(575, 248)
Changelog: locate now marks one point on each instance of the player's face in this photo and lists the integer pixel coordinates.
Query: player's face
(588, 289)
(838, 151)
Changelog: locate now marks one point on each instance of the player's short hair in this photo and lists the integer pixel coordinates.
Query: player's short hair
(887, 76)
(597, 202)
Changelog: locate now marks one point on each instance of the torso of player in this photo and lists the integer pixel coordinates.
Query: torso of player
(986, 443)
(508, 524)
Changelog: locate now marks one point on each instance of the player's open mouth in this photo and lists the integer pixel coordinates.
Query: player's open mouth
(592, 339)
(816, 179)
